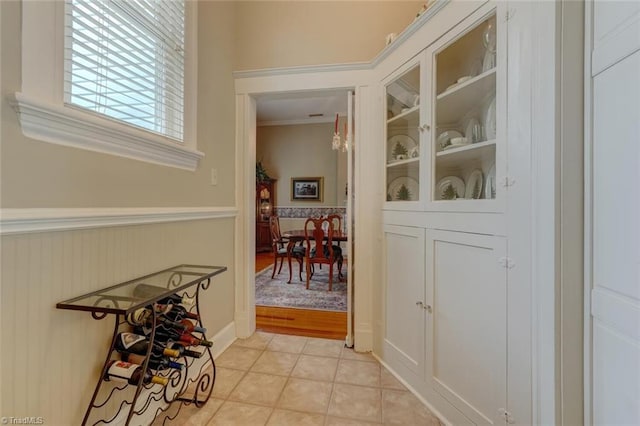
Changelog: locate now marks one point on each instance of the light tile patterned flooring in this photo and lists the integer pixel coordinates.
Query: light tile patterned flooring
(274, 379)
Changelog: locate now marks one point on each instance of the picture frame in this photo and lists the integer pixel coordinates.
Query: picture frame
(307, 189)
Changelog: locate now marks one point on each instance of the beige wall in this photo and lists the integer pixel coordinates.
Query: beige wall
(39, 174)
(51, 359)
(301, 151)
(292, 33)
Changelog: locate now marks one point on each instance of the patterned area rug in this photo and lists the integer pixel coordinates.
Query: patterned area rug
(276, 292)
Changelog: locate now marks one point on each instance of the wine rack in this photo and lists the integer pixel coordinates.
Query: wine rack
(112, 402)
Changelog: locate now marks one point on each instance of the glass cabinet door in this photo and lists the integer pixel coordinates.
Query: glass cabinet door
(464, 99)
(403, 138)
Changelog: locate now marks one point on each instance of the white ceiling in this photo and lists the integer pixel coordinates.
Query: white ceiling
(295, 108)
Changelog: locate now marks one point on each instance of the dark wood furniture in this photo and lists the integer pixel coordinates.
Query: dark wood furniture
(282, 248)
(265, 206)
(321, 253)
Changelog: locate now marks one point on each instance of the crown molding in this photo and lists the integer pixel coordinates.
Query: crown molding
(353, 66)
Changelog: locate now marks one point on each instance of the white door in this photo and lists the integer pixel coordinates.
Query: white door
(613, 214)
(467, 322)
(405, 304)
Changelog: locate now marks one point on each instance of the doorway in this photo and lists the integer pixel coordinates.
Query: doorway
(293, 140)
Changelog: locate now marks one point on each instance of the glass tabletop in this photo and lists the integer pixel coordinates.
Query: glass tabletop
(131, 295)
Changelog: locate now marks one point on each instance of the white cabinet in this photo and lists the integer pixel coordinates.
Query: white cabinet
(404, 149)
(467, 129)
(405, 294)
(446, 317)
(466, 328)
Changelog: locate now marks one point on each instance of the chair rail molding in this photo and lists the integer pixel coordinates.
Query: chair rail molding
(19, 221)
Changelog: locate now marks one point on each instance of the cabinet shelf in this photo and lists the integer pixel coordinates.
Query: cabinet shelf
(122, 299)
(409, 163)
(454, 103)
(405, 120)
(457, 157)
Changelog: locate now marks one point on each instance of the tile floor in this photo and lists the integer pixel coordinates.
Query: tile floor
(274, 379)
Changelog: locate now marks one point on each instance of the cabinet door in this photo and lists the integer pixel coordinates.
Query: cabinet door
(467, 324)
(405, 318)
(403, 149)
(467, 111)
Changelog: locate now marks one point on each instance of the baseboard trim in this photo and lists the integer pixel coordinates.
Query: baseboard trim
(20, 221)
(223, 339)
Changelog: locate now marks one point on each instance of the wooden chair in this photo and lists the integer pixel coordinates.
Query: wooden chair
(282, 248)
(336, 219)
(314, 233)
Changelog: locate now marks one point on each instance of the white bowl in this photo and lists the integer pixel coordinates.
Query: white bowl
(459, 141)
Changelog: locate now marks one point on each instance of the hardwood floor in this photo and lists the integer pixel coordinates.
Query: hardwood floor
(301, 322)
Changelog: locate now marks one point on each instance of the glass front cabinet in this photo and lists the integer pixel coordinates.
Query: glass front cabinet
(404, 146)
(444, 123)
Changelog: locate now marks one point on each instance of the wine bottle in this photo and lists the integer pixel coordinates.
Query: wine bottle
(131, 373)
(177, 312)
(164, 335)
(190, 327)
(144, 316)
(180, 346)
(155, 363)
(137, 344)
(175, 299)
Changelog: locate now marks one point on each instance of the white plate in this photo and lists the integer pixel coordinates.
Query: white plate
(400, 144)
(444, 140)
(490, 183)
(490, 120)
(473, 189)
(469, 134)
(443, 185)
(410, 184)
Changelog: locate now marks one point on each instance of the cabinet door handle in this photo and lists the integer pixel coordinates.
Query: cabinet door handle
(428, 308)
(420, 304)
(425, 127)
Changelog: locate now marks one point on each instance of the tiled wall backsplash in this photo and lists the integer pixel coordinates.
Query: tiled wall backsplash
(305, 212)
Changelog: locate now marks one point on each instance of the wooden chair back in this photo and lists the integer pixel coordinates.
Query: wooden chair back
(315, 236)
(336, 219)
(276, 235)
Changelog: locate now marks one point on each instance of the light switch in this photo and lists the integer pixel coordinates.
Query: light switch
(214, 177)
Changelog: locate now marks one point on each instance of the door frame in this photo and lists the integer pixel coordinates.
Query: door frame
(250, 86)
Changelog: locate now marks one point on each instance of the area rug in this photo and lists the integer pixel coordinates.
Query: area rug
(276, 292)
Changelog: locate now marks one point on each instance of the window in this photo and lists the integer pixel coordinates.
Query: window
(112, 76)
(125, 59)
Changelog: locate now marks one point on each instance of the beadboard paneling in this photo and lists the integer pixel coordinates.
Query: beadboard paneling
(52, 358)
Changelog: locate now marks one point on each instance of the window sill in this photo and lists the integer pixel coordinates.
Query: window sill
(70, 127)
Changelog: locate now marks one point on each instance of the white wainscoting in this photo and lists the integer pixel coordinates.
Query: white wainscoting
(51, 358)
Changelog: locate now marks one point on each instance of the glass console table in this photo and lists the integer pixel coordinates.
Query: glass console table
(112, 401)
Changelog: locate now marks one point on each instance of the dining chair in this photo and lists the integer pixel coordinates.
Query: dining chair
(283, 247)
(314, 237)
(336, 219)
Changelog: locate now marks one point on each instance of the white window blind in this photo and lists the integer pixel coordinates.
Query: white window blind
(125, 59)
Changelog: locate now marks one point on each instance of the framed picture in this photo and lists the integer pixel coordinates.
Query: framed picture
(306, 189)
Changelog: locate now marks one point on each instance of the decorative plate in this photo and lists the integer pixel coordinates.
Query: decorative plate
(490, 120)
(449, 188)
(490, 183)
(444, 140)
(403, 188)
(473, 189)
(399, 147)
